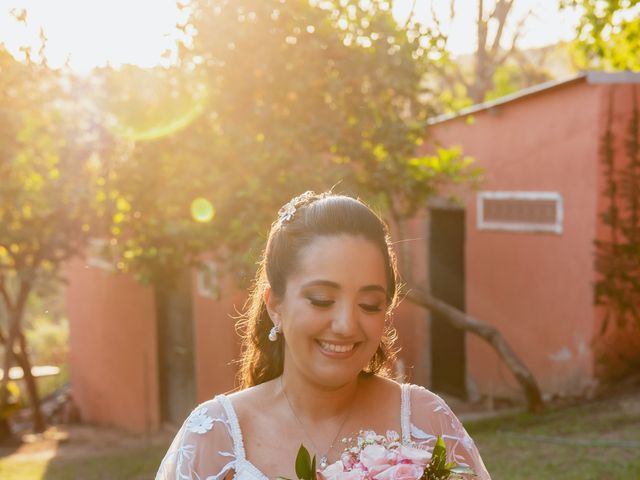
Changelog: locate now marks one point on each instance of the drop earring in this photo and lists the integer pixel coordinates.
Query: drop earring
(273, 333)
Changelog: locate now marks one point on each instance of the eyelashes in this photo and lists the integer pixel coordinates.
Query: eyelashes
(320, 303)
(369, 308)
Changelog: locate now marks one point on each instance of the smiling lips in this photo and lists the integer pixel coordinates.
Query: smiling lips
(336, 348)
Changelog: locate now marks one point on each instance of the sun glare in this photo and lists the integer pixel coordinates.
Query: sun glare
(91, 33)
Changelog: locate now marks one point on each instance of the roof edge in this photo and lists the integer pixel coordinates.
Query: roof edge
(591, 77)
(525, 92)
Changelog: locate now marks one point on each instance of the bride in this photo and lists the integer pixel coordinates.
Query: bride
(317, 351)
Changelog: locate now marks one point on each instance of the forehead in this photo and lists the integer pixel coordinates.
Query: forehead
(349, 260)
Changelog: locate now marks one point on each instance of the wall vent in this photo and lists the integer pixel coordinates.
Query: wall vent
(520, 211)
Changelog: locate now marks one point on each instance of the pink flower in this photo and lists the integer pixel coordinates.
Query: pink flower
(414, 455)
(347, 460)
(332, 471)
(355, 474)
(373, 455)
(401, 471)
(336, 471)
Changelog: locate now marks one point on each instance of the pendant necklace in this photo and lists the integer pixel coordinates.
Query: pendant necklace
(324, 462)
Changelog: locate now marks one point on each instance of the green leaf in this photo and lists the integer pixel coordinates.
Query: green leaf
(439, 456)
(303, 464)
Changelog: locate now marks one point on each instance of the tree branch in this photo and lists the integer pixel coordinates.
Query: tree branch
(500, 13)
(489, 333)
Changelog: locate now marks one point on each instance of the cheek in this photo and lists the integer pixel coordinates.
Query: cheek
(375, 326)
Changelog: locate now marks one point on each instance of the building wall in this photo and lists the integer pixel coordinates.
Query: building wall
(112, 348)
(616, 346)
(410, 320)
(536, 288)
(216, 343)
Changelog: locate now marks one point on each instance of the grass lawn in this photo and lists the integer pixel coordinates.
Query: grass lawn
(135, 464)
(599, 440)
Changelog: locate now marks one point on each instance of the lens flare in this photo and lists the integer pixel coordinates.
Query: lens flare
(201, 210)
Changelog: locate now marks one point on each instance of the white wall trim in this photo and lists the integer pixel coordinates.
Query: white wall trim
(520, 227)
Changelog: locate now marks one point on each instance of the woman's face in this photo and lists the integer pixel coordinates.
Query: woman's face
(333, 312)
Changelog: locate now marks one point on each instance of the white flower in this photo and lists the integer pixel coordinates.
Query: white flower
(393, 436)
(199, 421)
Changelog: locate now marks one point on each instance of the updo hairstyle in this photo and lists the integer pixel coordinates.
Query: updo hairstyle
(300, 222)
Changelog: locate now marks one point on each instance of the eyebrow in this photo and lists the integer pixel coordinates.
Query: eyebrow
(330, 284)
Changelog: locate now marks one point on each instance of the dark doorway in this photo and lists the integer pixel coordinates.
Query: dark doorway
(446, 277)
(174, 313)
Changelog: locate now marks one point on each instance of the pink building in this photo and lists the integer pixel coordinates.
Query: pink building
(517, 254)
(523, 245)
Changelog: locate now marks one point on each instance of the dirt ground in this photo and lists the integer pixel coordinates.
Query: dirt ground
(72, 441)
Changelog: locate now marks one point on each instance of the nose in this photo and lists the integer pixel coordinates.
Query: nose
(345, 320)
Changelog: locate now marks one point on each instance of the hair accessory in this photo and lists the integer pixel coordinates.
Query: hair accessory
(286, 213)
(273, 333)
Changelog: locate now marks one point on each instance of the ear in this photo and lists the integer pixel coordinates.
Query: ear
(273, 306)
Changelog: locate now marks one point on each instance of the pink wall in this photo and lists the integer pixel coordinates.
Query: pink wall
(615, 344)
(113, 348)
(216, 342)
(535, 287)
(411, 321)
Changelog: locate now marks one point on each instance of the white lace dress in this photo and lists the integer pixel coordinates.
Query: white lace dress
(210, 443)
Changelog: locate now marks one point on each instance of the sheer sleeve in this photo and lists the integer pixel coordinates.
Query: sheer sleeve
(431, 417)
(203, 448)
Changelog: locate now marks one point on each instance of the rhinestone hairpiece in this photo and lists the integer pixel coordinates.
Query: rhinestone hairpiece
(287, 212)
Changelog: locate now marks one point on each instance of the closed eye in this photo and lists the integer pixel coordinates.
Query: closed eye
(321, 303)
(370, 308)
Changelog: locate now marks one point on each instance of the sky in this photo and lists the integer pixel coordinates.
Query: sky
(90, 33)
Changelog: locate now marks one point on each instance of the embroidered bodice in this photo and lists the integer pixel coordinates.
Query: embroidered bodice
(210, 444)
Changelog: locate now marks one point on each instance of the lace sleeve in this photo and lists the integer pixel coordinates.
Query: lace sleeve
(203, 447)
(430, 418)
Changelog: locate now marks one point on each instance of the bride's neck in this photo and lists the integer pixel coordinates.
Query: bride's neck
(317, 402)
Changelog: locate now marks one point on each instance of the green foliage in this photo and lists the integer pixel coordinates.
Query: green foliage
(511, 77)
(42, 194)
(270, 98)
(608, 34)
(13, 402)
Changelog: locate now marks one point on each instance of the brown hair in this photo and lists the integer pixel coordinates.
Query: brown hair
(303, 219)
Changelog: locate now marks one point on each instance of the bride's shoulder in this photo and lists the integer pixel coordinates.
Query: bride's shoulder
(417, 393)
(420, 395)
(252, 398)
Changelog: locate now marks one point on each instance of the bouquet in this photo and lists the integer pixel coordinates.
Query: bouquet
(377, 457)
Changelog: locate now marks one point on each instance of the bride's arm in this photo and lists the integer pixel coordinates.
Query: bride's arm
(431, 417)
(202, 448)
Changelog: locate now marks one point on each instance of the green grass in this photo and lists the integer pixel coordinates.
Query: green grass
(576, 443)
(591, 441)
(135, 464)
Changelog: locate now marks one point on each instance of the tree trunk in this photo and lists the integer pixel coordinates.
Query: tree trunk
(491, 335)
(16, 338)
(39, 424)
(23, 362)
(6, 365)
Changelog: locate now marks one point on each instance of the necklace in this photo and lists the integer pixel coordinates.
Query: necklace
(324, 462)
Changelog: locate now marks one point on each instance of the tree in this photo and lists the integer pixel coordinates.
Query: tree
(341, 82)
(43, 193)
(269, 98)
(459, 82)
(608, 34)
